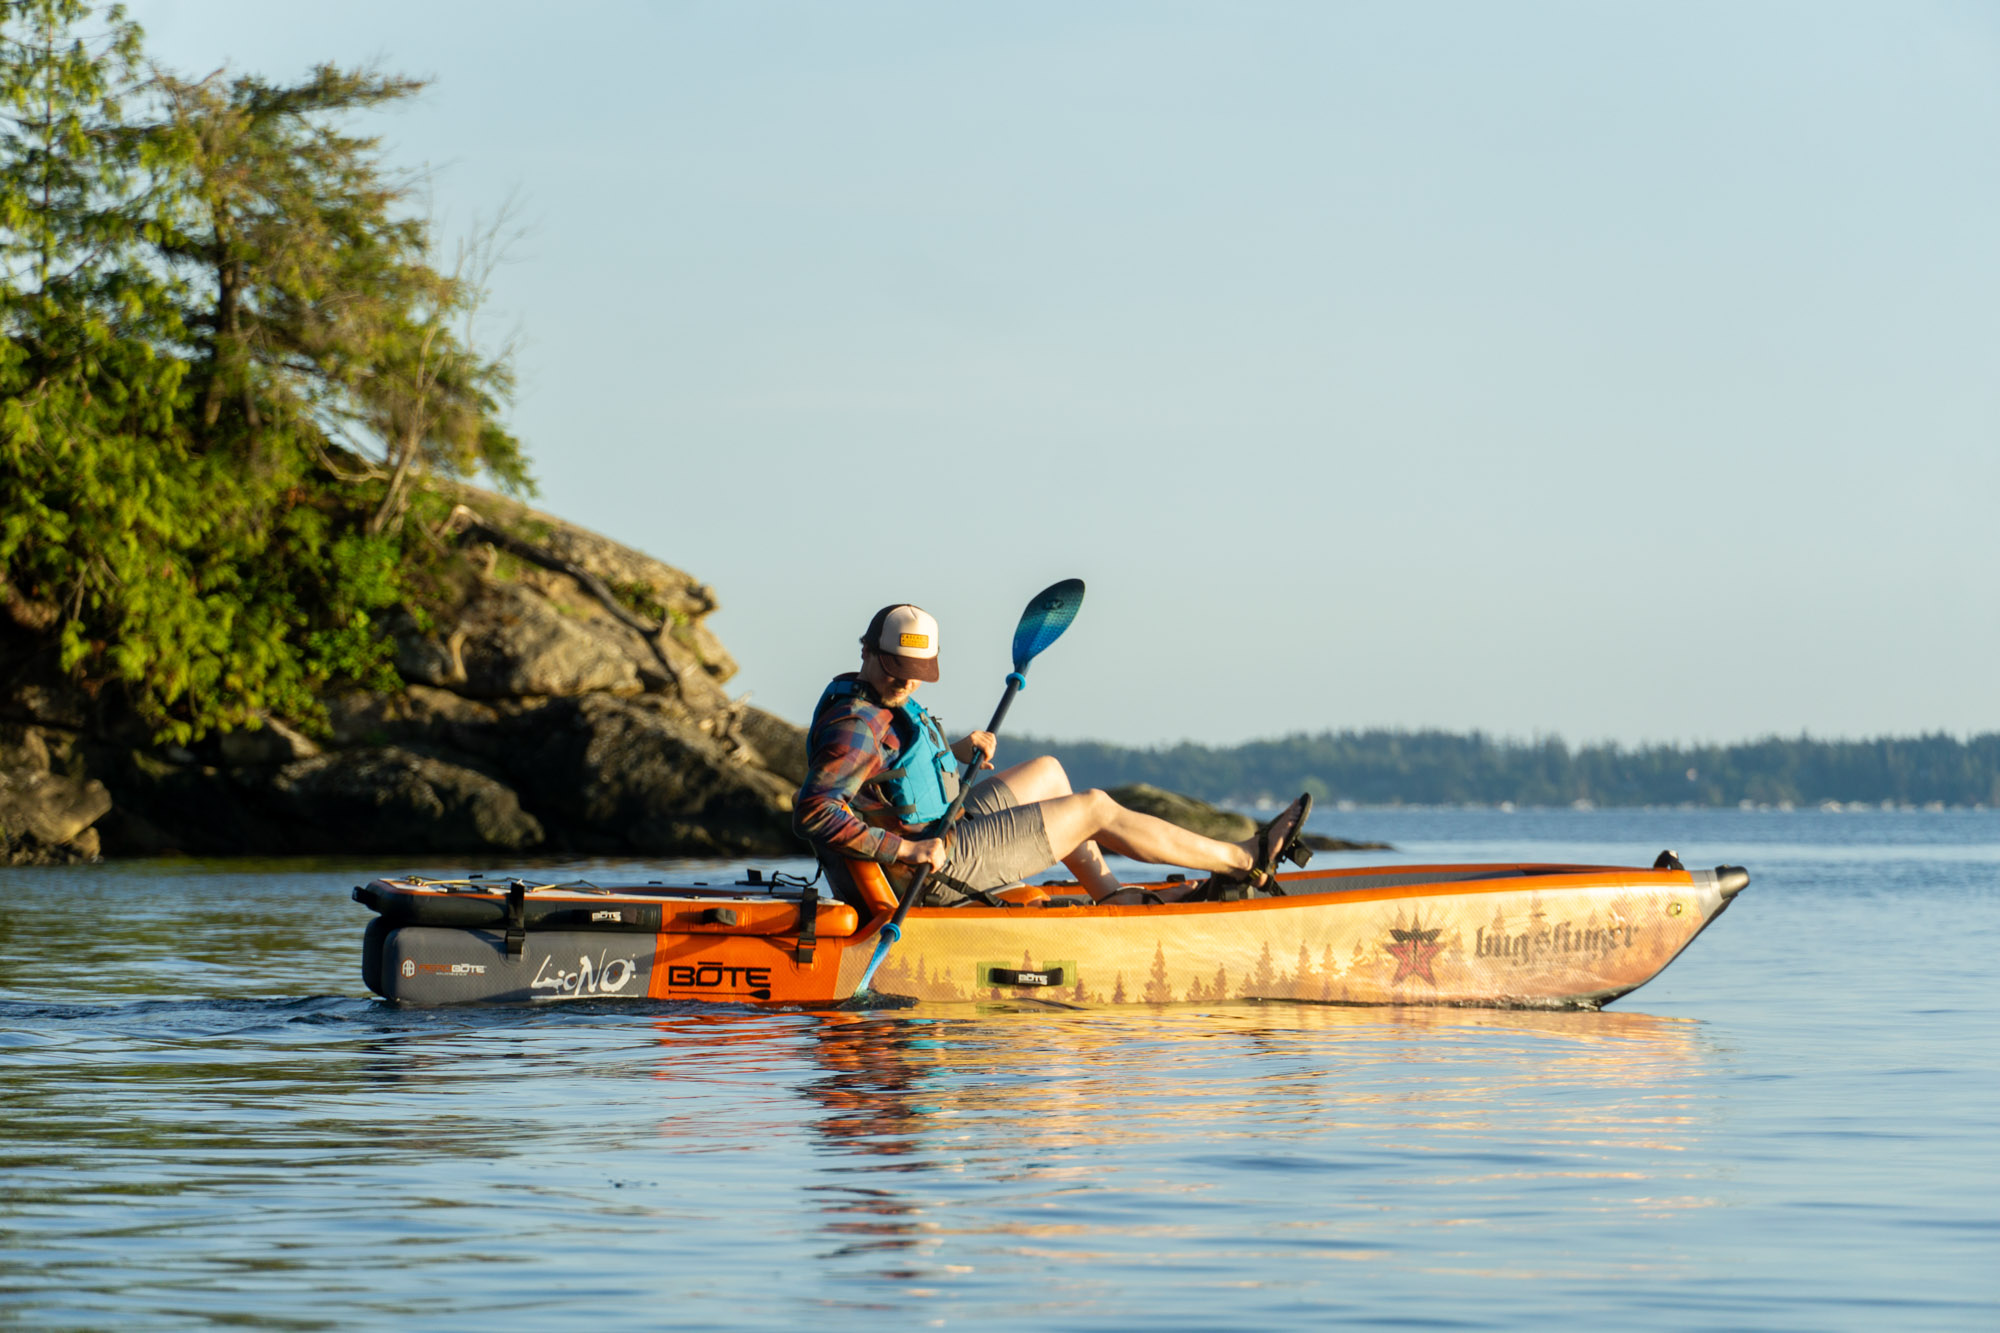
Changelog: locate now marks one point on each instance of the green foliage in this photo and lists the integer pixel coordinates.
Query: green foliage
(364, 575)
(640, 600)
(226, 358)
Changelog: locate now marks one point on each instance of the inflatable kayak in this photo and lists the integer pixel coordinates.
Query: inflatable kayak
(1536, 936)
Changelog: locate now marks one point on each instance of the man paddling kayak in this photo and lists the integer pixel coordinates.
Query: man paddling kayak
(880, 769)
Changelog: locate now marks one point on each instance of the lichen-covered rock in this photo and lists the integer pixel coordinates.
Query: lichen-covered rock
(1214, 822)
(562, 692)
(638, 775)
(168, 806)
(779, 746)
(421, 714)
(272, 743)
(422, 658)
(1210, 821)
(665, 593)
(512, 642)
(49, 807)
(45, 815)
(395, 800)
(376, 800)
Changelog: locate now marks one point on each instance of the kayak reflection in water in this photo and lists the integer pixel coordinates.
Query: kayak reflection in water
(880, 771)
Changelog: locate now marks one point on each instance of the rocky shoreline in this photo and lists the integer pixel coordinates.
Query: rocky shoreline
(569, 701)
(542, 713)
(1215, 822)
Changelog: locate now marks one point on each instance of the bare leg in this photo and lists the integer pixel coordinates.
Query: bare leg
(1043, 779)
(1073, 820)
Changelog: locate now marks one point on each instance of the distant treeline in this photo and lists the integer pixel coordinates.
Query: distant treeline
(1444, 768)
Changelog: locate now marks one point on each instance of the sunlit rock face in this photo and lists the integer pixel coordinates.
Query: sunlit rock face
(1201, 817)
(49, 799)
(565, 696)
(515, 641)
(45, 815)
(1213, 821)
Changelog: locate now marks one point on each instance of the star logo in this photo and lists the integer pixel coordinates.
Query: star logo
(1413, 951)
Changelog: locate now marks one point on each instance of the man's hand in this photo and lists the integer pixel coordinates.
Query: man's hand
(983, 743)
(922, 852)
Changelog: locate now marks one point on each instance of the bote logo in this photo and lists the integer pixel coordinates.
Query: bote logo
(409, 967)
(714, 976)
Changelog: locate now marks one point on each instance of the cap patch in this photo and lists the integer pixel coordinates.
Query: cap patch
(908, 636)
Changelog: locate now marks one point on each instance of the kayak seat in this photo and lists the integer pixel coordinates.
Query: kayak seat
(1022, 895)
(860, 884)
(1140, 895)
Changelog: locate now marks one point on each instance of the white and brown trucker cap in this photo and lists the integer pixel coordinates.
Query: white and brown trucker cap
(907, 637)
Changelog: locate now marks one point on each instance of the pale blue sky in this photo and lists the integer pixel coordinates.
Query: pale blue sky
(1609, 370)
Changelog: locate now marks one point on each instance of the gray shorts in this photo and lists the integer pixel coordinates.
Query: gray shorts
(995, 842)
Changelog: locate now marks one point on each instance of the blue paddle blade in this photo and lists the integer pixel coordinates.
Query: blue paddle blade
(891, 932)
(1048, 615)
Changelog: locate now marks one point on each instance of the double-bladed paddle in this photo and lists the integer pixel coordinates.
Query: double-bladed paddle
(1047, 616)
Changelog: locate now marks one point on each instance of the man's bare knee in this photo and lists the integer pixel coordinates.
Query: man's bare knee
(1038, 779)
(1048, 773)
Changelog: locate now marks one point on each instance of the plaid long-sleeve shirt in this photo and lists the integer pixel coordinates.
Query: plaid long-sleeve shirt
(851, 740)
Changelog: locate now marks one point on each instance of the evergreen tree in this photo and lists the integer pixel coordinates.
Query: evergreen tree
(324, 312)
(1157, 991)
(104, 501)
(228, 357)
(1263, 980)
(1432, 767)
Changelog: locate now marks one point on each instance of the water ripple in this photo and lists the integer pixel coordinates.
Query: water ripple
(206, 1122)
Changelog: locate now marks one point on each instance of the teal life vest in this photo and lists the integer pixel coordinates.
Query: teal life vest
(924, 781)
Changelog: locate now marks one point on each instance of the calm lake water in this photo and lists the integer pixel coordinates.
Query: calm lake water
(203, 1118)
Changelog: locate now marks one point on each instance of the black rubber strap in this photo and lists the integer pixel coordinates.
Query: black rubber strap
(808, 925)
(517, 918)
